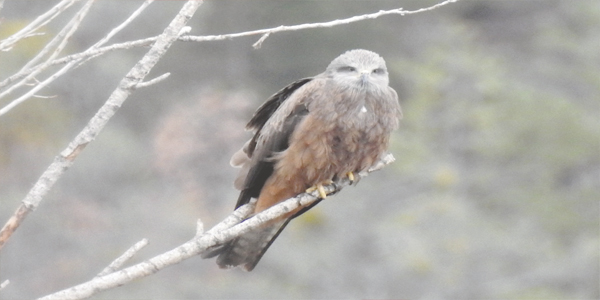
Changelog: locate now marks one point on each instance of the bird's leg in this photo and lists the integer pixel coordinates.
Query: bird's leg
(319, 187)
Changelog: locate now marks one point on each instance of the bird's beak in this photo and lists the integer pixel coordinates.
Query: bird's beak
(364, 77)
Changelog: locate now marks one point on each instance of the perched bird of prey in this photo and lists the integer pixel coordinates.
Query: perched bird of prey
(312, 132)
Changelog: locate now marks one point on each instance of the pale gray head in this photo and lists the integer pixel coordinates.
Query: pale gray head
(359, 69)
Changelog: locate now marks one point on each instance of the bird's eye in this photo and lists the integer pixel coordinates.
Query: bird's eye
(347, 69)
(379, 71)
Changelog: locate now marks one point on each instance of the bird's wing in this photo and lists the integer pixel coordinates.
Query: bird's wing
(260, 117)
(273, 122)
(264, 112)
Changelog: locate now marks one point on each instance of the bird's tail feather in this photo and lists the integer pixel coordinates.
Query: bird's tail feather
(248, 249)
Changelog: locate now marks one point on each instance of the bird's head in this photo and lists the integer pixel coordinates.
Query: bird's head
(359, 69)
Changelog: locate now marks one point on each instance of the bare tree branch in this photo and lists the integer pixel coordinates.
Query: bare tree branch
(127, 85)
(227, 230)
(39, 68)
(235, 224)
(43, 19)
(153, 81)
(88, 54)
(116, 30)
(13, 223)
(265, 33)
(121, 260)
(61, 39)
(4, 284)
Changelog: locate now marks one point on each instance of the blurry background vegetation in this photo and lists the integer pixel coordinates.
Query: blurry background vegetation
(494, 193)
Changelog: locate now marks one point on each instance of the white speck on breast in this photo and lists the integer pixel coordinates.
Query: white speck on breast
(363, 109)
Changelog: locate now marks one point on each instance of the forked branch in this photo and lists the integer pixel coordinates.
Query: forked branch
(233, 226)
(128, 84)
(77, 59)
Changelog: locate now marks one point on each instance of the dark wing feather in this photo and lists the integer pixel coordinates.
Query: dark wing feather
(262, 166)
(230, 255)
(255, 180)
(252, 264)
(264, 112)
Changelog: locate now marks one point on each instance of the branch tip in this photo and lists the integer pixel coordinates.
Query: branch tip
(199, 227)
(258, 43)
(121, 260)
(4, 284)
(185, 30)
(152, 81)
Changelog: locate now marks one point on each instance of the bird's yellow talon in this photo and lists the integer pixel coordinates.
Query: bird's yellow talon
(351, 176)
(321, 191)
(319, 187)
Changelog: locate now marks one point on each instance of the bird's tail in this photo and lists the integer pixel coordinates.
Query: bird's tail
(246, 250)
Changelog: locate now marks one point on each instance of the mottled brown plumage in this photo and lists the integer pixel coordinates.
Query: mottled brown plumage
(314, 130)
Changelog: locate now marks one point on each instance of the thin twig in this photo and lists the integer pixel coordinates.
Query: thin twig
(258, 43)
(40, 21)
(44, 97)
(61, 39)
(202, 243)
(116, 30)
(267, 32)
(153, 81)
(90, 53)
(199, 227)
(127, 85)
(121, 260)
(4, 284)
(69, 66)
